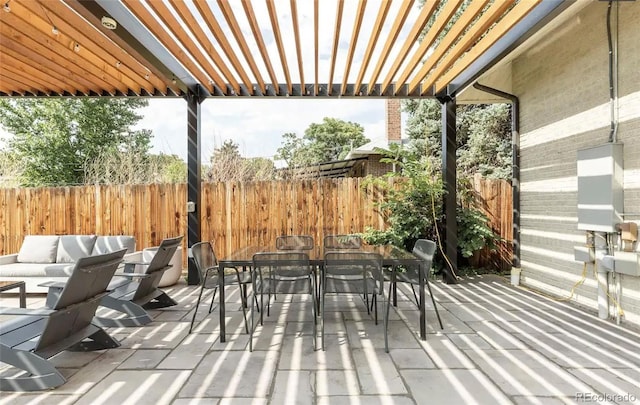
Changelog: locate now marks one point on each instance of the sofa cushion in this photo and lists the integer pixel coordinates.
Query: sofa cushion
(108, 244)
(38, 249)
(59, 269)
(22, 270)
(73, 247)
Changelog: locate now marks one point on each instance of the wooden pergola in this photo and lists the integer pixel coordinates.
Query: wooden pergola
(197, 49)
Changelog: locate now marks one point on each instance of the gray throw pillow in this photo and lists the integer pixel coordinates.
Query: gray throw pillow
(38, 249)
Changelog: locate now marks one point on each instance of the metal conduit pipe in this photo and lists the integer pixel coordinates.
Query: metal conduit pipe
(515, 165)
(601, 242)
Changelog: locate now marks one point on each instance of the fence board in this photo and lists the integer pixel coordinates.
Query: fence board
(233, 214)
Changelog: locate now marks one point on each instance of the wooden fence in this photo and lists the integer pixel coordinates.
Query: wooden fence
(232, 214)
(493, 197)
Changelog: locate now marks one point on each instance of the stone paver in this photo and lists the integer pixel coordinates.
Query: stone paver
(499, 345)
(453, 387)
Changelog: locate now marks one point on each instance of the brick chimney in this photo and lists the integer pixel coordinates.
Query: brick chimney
(392, 120)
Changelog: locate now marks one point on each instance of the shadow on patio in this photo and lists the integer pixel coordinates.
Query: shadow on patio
(500, 344)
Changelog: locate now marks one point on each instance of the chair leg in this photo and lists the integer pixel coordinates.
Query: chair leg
(195, 310)
(433, 300)
(136, 315)
(313, 313)
(40, 373)
(322, 315)
(366, 295)
(386, 318)
(97, 341)
(243, 304)
(244, 293)
(161, 301)
(374, 300)
(252, 320)
(213, 296)
(415, 296)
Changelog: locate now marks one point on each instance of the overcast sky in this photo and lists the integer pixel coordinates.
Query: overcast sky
(257, 125)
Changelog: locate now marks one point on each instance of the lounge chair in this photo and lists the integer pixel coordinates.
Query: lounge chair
(28, 341)
(133, 293)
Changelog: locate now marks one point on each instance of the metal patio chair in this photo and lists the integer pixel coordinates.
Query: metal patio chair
(338, 242)
(271, 270)
(424, 249)
(207, 264)
(294, 242)
(353, 272)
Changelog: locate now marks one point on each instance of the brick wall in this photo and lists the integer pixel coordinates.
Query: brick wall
(393, 120)
(562, 83)
(376, 168)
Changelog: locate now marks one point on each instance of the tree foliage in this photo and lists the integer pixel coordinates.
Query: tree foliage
(55, 138)
(483, 136)
(322, 142)
(126, 167)
(227, 164)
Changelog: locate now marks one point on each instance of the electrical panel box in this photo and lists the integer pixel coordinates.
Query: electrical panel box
(600, 188)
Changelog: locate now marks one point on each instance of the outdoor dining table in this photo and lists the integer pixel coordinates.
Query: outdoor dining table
(391, 257)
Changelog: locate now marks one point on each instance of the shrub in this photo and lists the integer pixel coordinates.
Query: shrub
(411, 206)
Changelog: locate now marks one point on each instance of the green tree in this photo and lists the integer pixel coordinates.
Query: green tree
(55, 138)
(488, 142)
(483, 136)
(228, 149)
(10, 169)
(169, 168)
(322, 142)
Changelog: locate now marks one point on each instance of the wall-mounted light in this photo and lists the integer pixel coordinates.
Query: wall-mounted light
(109, 23)
(76, 47)
(54, 30)
(6, 7)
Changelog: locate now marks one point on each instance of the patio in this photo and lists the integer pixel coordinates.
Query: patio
(500, 345)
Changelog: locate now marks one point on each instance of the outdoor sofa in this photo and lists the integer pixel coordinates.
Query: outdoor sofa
(46, 258)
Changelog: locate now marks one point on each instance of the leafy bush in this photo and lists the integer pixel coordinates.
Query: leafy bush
(412, 206)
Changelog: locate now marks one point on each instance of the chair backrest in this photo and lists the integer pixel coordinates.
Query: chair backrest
(294, 242)
(348, 267)
(282, 264)
(163, 255)
(77, 303)
(156, 268)
(338, 242)
(204, 257)
(425, 249)
(90, 276)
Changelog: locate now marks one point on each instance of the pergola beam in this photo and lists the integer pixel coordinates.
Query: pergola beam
(531, 23)
(132, 32)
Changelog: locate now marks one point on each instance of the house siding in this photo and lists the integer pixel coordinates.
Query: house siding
(563, 86)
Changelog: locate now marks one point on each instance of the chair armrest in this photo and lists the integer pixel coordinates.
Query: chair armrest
(133, 257)
(130, 275)
(26, 311)
(54, 284)
(8, 259)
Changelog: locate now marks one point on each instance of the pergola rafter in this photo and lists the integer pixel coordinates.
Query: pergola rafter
(166, 47)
